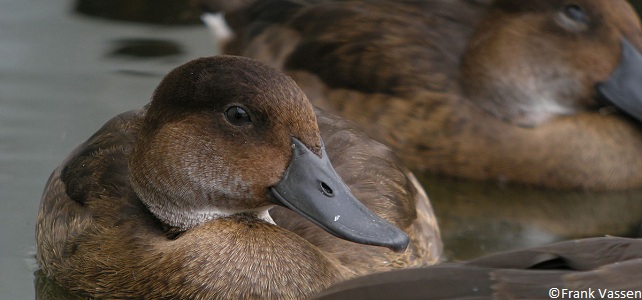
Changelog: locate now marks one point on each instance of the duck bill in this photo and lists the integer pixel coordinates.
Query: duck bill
(312, 188)
(624, 87)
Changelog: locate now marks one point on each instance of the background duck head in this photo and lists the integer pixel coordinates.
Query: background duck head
(531, 60)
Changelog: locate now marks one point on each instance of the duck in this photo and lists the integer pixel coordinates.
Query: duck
(539, 93)
(229, 184)
(592, 268)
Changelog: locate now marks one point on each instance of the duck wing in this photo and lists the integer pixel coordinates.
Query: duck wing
(102, 158)
(75, 195)
(592, 266)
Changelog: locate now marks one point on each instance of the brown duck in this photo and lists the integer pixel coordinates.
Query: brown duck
(176, 200)
(488, 90)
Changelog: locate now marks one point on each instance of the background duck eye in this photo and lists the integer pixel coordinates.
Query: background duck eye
(237, 115)
(575, 13)
(572, 18)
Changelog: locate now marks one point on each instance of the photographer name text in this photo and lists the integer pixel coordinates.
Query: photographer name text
(561, 293)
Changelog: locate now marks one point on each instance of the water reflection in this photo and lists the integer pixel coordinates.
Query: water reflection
(47, 289)
(478, 218)
(164, 12)
(145, 48)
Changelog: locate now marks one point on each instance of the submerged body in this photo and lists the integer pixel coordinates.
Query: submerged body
(176, 200)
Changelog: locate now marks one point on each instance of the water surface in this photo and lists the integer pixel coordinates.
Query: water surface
(61, 77)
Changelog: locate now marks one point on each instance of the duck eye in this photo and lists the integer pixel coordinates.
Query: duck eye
(572, 18)
(575, 13)
(236, 115)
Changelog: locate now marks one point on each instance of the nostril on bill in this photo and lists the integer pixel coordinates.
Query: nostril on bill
(326, 189)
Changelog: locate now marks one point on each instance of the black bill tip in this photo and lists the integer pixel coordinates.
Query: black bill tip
(624, 87)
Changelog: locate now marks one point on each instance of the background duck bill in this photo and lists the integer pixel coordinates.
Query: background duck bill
(312, 188)
(624, 87)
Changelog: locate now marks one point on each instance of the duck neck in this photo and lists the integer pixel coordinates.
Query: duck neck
(182, 218)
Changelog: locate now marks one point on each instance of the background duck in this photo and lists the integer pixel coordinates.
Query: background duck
(502, 90)
(171, 200)
(598, 268)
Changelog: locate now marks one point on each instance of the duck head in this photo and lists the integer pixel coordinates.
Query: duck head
(529, 61)
(227, 135)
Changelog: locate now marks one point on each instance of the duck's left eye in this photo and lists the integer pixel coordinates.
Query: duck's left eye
(575, 13)
(573, 18)
(237, 115)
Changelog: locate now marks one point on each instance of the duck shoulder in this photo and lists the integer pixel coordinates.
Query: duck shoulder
(94, 174)
(102, 158)
(377, 177)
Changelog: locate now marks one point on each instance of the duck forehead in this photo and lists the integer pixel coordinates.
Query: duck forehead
(530, 23)
(623, 17)
(297, 115)
(289, 111)
(614, 11)
(214, 84)
(516, 6)
(258, 86)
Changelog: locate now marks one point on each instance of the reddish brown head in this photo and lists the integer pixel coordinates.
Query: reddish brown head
(531, 60)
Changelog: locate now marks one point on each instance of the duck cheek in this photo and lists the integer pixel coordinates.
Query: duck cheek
(261, 170)
(595, 66)
(234, 191)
